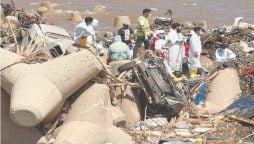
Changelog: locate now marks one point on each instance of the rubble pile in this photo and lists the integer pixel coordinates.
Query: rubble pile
(66, 94)
(240, 40)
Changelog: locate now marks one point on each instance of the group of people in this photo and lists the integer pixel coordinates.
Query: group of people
(179, 53)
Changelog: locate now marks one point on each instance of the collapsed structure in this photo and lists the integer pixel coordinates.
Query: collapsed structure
(45, 74)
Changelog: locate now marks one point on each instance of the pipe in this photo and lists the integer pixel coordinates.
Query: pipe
(38, 88)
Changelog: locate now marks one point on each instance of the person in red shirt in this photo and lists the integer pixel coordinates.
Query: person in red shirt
(185, 66)
(158, 44)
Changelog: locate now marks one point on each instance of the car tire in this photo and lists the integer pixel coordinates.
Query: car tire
(127, 66)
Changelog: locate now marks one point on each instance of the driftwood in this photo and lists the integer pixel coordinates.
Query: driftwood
(14, 36)
(248, 121)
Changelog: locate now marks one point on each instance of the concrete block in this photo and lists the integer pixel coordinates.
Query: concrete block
(224, 89)
(12, 133)
(52, 82)
(90, 119)
(130, 106)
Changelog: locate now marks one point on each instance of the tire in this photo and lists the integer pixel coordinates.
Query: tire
(126, 66)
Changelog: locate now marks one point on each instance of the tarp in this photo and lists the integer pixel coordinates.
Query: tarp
(242, 107)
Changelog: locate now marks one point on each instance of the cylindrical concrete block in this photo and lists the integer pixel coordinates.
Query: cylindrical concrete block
(65, 74)
(76, 16)
(99, 9)
(42, 10)
(47, 4)
(41, 97)
(12, 133)
(120, 20)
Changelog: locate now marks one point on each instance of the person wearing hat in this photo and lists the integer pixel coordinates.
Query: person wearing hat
(126, 33)
(118, 50)
(84, 32)
(224, 56)
(143, 31)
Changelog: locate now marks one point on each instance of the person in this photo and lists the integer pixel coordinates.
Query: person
(158, 44)
(118, 50)
(195, 51)
(176, 50)
(185, 66)
(84, 32)
(224, 56)
(126, 33)
(143, 32)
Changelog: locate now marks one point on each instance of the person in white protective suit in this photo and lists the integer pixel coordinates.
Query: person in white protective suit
(176, 50)
(195, 51)
(84, 32)
(224, 56)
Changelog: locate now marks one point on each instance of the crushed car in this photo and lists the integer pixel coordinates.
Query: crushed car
(161, 95)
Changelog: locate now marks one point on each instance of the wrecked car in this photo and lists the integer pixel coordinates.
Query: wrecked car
(161, 95)
(56, 39)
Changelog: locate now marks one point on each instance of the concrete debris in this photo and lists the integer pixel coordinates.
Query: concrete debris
(201, 130)
(183, 132)
(222, 94)
(152, 123)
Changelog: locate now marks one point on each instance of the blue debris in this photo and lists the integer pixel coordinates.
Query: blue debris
(201, 95)
(242, 107)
